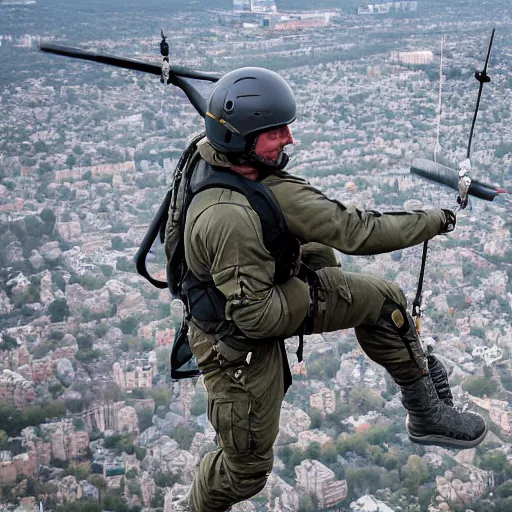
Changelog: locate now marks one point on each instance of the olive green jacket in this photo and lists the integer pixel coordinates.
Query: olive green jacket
(223, 239)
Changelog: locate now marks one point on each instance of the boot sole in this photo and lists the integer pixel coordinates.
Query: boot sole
(443, 441)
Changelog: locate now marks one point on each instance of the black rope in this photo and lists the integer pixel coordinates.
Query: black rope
(416, 305)
(483, 78)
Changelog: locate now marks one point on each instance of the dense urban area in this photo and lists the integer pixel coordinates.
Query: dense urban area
(90, 419)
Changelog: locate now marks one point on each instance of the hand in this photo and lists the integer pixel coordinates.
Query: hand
(449, 223)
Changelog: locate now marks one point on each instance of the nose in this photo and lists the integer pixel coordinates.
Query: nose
(287, 136)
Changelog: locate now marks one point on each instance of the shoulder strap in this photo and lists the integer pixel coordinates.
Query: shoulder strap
(261, 199)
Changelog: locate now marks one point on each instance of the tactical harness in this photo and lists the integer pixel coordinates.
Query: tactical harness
(204, 303)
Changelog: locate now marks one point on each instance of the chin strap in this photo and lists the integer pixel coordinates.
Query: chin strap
(265, 166)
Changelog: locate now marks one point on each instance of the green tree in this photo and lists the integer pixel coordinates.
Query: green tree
(124, 265)
(504, 490)
(414, 473)
(316, 419)
(84, 341)
(129, 325)
(145, 417)
(183, 435)
(117, 243)
(363, 400)
(329, 453)
(47, 215)
(479, 386)
(356, 443)
(58, 310)
(99, 482)
(165, 479)
(307, 503)
(494, 461)
(161, 395)
(71, 160)
(362, 480)
(8, 342)
(157, 501)
(314, 451)
(199, 403)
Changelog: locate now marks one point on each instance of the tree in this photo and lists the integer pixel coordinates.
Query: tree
(479, 386)
(165, 479)
(363, 480)
(99, 482)
(161, 395)
(157, 501)
(8, 342)
(47, 215)
(58, 310)
(495, 461)
(314, 451)
(145, 417)
(329, 453)
(307, 503)
(45, 167)
(353, 443)
(316, 419)
(84, 342)
(199, 403)
(183, 435)
(363, 400)
(129, 325)
(71, 160)
(414, 473)
(117, 243)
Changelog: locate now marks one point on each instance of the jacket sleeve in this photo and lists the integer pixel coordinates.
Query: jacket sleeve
(229, 237)
(313, 217)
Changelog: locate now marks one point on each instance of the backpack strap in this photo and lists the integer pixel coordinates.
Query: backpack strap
(262, 201)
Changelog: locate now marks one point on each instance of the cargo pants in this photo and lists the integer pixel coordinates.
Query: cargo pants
(245, 390)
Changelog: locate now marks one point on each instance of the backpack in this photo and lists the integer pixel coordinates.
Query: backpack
(202, 300)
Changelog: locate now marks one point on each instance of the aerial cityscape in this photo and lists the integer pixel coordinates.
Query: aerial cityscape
(90, 419)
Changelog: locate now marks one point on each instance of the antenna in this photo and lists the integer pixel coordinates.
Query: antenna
(439, 100)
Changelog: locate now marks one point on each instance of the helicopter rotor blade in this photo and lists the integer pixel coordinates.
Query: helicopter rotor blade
(450, 177)
(123, 62)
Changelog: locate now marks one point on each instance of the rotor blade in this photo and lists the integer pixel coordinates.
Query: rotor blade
(123, 62)
(450, 177)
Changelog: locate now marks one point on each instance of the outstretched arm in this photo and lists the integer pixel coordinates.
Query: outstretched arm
(313, 217)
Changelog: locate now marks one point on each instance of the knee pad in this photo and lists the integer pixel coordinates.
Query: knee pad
(397, 318)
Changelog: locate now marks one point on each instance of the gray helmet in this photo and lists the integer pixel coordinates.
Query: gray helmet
(244, 103)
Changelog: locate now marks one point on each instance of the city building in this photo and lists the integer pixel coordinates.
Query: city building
(389, 7)
(255, 6)
(316, 479)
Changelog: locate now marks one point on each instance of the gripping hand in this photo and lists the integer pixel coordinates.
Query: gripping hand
(449, 222)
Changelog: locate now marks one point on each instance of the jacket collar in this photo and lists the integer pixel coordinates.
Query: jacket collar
(211, 155)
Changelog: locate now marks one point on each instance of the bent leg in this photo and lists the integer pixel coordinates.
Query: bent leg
(387, 334)
(244, 404)
(369, 304)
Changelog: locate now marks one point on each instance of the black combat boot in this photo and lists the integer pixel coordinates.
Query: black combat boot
(439, 377)
(432, 422)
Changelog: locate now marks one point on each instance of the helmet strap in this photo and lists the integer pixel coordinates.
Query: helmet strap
(262, 164)
(249, 157)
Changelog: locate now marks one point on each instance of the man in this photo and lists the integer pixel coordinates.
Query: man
(247, 129)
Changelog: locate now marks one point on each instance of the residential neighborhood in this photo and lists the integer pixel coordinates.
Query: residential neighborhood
(89, 414)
